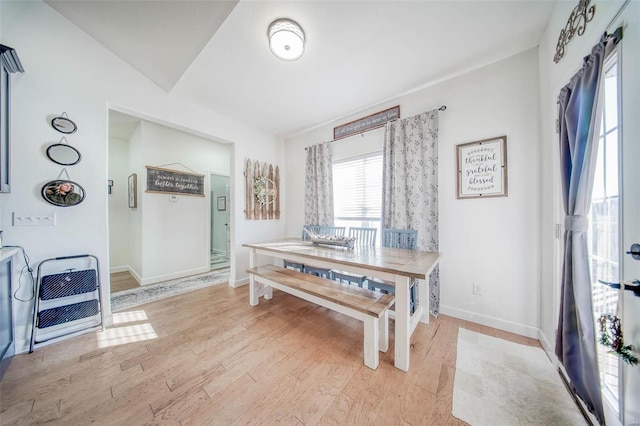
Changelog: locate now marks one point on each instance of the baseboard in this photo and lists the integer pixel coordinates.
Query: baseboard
(116, 269)
(176, 275)
(239, 283)
(489, 321)
(135, 276)
(547, 348)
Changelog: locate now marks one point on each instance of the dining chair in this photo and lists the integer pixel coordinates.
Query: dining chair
(398, 238)
(293, 265)
(364, 236)
(321, 230)
(348, 278)
(318, 272)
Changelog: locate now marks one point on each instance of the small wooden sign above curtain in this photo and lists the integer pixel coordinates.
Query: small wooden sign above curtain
(369, 122)
(167, 181)
(482, 168)
(262, 191)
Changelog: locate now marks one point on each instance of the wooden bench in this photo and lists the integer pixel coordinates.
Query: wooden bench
(370, 307)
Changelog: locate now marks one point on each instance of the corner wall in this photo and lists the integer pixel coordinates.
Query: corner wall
(68, 71)
(552, 78)
(493, 242)
(175, 234)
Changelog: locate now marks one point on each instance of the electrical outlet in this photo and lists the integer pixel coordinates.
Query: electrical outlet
(476, 289)
(34, 219)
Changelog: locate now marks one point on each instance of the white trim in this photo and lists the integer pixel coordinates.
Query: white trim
(135, 276)
(547, 348)
(22, 346)
(489, 321)
(239, 283)
(176, 275)
(116, 269)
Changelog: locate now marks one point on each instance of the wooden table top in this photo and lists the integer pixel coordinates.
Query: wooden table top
(404, 262)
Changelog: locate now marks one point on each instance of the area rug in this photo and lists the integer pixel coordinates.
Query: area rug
(498, 382)
(150, 293)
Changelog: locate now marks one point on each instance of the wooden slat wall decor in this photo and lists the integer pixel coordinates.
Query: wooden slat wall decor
(262, 191)
(265, 169)
(271, 188)
(277, 182)
(256, 204)
(248, 199)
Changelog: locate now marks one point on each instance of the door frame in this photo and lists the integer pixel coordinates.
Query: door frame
(228, 209)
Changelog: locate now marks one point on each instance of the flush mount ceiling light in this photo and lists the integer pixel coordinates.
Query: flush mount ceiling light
(286, 39)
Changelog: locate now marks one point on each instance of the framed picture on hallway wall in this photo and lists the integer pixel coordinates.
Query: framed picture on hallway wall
(482, 168)
(133, 191)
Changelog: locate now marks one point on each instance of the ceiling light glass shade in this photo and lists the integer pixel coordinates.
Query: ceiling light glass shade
(286, 39)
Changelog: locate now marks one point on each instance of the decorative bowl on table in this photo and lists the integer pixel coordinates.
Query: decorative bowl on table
(331, 240)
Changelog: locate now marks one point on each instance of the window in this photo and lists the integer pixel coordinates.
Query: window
(604, 242)
(357, 191)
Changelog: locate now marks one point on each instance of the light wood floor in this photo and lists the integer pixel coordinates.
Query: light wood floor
(210, 358)
(121, 281)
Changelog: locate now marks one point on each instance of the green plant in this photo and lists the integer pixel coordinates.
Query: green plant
(611, 336)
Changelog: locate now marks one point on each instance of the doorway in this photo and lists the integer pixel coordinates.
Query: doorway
(220, 237)
(163, 237)
(614, 218)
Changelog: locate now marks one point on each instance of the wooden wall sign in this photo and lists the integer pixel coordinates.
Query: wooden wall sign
(167, 181)
(482, 168)
(369, 122)
(262, 191)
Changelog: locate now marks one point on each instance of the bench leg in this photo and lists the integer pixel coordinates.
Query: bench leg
(268, 292)
(253, 285)
(253, 291)
(383, 330)
(371, 337)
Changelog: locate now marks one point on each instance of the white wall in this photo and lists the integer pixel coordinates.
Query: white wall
(175, 235)
(552, 78)
(68, 71)
(493, 242)
(118, 206)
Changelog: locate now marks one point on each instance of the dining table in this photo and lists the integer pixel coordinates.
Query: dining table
(394, 265)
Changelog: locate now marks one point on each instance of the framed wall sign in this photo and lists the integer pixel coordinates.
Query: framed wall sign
(222, 203)
(133, 191)
(161, 180)
(482, 168)
(369, 122)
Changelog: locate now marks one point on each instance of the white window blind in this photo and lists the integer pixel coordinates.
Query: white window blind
(357, 188)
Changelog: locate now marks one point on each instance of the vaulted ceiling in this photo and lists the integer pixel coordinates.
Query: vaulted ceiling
(358, 53)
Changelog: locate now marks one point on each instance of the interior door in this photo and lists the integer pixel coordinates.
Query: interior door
(630, 186)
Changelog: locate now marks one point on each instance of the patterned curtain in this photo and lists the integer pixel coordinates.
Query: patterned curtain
(580, 116)
(410, 184)
(318, 186)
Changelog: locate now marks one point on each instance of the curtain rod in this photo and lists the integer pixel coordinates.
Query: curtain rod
(442, 108)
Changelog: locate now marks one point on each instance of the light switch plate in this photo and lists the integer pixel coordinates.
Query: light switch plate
(48, 219)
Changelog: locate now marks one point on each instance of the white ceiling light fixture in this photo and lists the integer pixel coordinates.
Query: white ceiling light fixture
(286, 39)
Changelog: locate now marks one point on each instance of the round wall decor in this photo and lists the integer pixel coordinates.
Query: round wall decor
(63, 124)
